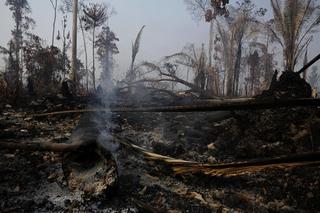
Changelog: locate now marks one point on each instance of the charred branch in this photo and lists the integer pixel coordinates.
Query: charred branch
(314, 60)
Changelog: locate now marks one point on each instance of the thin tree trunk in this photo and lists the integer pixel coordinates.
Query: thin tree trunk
(86, 54)
(64, 47)
(54, 20)
(305, 61)
(210, 43)
(18, 39)
(73, 75)
(237, 69)
(93, 59)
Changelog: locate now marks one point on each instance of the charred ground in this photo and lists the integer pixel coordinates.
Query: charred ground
(36, 181)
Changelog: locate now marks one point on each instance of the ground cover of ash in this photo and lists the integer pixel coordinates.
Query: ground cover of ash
(34, 182)
(221, 137)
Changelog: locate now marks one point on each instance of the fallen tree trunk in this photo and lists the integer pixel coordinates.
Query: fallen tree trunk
(231, 104)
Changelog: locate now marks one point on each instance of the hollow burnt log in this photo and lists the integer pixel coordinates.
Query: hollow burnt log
(90, 171)
(87, 165)
(91, 168)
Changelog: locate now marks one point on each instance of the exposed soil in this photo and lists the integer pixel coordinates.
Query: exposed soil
(35, 182)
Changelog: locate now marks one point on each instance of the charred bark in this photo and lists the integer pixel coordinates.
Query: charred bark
(289, 85)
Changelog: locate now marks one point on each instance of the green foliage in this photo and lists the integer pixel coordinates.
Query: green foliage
(45, 66)
(20, 10)
(106, 48)
(106, 42)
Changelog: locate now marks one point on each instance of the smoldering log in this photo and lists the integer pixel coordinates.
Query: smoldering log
(87, 164)
(205, 106)
(90, 168)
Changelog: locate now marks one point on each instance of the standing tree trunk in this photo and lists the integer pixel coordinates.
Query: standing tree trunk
(305, 61)
(54, 5)
(237, 69)
(73, 74)
(18, 40)
(229, 71)
(85, 53)
(93, 59)
(210, 43)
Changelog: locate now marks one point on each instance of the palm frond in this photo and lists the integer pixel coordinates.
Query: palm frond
(181, 167)
(136, 44)
(181, 56)
(4, 50)
(150, 66)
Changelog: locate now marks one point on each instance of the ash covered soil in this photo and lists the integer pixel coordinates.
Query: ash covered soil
(35, 181)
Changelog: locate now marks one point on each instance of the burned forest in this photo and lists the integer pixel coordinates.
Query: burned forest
(160, 106)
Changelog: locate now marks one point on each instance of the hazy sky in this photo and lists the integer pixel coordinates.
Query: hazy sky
(169, 27)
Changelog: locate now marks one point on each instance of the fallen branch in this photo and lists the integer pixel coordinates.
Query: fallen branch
(231, 104)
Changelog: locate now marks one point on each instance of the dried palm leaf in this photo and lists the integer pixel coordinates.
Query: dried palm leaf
(230, 169)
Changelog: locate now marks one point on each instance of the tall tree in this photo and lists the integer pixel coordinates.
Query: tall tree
(95, 15)
(44, 65)
(236, 29)
(267, 60)
(106, 48)
(254, 64)
(20, 11)
(73, 76)
(85, 51)
(293, 23)
(65, 36)
(66, 6)
(209, 10)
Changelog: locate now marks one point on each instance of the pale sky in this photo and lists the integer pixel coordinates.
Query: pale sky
(169, 27)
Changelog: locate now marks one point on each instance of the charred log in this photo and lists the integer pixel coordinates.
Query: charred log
(203, 106)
